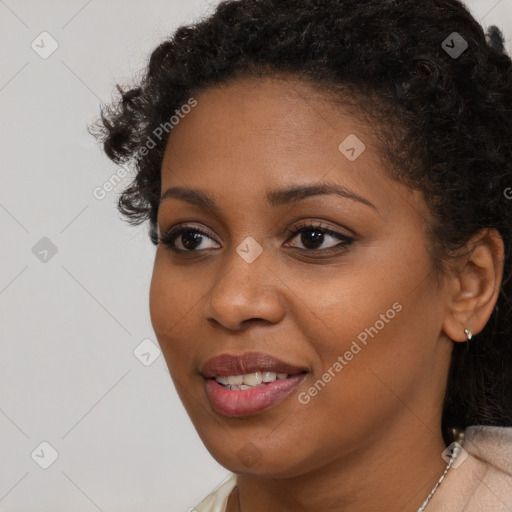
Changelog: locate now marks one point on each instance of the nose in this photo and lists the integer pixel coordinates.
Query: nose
(244, 292)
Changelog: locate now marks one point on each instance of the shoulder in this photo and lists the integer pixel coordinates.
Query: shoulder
(216, 501)
(492, 445)
(482, 479)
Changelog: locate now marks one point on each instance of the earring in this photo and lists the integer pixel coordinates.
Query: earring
(468, 334)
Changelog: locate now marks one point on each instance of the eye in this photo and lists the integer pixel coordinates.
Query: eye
(313, 236)
(191, 239)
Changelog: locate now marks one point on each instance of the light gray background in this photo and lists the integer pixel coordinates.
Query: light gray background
(69, 325)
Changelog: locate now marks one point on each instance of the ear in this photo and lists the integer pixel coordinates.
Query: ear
(474, 284)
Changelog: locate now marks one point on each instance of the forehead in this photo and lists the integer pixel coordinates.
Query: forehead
(269, 124)
(294, 109)
(252, 135)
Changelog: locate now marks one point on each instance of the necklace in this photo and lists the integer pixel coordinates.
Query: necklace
(460, 436)
(456, 450)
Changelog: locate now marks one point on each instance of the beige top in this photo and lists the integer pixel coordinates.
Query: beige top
(481, 483)
(218, 499)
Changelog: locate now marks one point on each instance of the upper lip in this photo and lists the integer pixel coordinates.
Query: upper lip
(228, 364)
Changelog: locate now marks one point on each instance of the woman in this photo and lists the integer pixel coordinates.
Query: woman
(333, 215)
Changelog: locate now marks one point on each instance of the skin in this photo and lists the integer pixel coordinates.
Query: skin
(370, 440)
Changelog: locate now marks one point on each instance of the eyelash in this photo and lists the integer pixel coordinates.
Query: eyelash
(170, 236)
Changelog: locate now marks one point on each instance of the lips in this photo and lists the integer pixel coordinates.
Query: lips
(251, 401)
(227, 364)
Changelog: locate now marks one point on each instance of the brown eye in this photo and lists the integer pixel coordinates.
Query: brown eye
(313, 236)
(190, 238)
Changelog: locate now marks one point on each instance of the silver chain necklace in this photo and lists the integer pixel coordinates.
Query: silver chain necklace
(459, 436)
(456, 451)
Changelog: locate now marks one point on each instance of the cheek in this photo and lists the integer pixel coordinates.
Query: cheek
(173, 302)
(342, 306)
(355, 384)
(173, 294)
(161, 300)
(370, 330)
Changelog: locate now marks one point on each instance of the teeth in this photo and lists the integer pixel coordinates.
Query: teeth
(249, 380)
(253, 379)
(235, 379)
(269, 376)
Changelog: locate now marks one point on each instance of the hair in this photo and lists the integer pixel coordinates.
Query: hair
(442, 122)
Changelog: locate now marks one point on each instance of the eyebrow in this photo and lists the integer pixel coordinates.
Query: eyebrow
(275, 198)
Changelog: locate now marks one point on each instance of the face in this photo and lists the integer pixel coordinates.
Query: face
(339, 285)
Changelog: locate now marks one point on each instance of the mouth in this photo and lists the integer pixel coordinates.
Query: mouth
(250, 383)
(248, 394)
(250, 380)
(228, 365)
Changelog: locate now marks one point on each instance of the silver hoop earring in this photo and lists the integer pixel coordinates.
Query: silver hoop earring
(468, 334)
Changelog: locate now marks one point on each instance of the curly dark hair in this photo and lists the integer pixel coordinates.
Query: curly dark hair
(443, 121)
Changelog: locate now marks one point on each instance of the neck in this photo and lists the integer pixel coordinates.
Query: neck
(394, 472)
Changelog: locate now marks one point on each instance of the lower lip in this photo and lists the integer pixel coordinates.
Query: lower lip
(250, 401)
